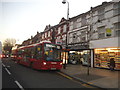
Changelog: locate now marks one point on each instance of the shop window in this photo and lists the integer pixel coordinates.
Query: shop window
(102, 57)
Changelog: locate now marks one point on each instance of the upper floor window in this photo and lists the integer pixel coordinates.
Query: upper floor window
(78, 24)
(83, 39)
(101, 13)
(46, 35)
(49, 34)
(116, 7)
(79, 20)
(83, 21)
(101, 32)
(64, 37)
(59, 31)
(74, 35)
(117, 29)
(42, 36)
(71, 25)
(64, 28)
(75, 25)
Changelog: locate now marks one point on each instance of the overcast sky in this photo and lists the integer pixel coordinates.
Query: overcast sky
(21, 19)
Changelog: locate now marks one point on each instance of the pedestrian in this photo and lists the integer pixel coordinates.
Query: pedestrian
(112, 64)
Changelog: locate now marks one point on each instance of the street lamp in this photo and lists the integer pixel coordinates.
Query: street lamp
(64, 2)
(88, 39)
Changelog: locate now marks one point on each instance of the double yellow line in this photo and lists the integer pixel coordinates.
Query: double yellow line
(83, 84)
(65, 75)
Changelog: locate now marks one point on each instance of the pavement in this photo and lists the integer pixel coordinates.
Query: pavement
(101, 78)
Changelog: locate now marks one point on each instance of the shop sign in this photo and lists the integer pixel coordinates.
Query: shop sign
(78, 47)
(108, 32)
(58, 41)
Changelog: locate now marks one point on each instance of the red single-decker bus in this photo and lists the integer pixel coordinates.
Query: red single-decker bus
(41, 56)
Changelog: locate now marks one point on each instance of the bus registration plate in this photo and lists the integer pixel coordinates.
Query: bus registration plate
(53, 68)
(53, 63)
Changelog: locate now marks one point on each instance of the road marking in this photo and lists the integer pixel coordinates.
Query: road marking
(3, 65)
(19, 85)
(8, 71)
(64, 75)
(86, 85)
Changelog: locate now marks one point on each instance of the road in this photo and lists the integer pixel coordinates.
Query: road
(25, 77)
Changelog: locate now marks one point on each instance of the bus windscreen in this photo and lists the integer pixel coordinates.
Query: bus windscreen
(52, 52)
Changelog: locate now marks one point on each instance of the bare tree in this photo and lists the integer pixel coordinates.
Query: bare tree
(8, 44)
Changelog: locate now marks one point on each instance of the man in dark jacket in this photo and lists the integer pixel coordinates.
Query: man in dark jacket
(112, 64)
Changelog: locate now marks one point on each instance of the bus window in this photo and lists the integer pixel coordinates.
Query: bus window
(51, 52)
(39, 52)
(33, 52)
(27, 52)
(20, 52)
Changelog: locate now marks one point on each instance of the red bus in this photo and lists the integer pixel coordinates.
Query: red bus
(14, 53)
(41, 56)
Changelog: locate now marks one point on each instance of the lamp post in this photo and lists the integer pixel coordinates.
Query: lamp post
(64, 2)
(88, 40)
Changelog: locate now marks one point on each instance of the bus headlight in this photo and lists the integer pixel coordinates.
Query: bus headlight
(44, 63)
(61, 63)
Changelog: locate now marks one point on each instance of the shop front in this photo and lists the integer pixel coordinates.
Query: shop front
(102, 57)
(80, 57)
(64, 57)
(104, 50)
(79, 53)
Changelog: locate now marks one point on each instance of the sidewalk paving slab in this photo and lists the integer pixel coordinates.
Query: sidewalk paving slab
(101, 78)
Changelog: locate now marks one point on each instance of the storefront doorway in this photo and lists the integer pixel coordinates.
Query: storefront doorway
(80, 57)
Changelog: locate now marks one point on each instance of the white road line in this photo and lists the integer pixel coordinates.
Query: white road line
(3, 65)
(19, 85)
(8, 71)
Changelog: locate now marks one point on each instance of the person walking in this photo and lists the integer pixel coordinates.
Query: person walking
(112, 64)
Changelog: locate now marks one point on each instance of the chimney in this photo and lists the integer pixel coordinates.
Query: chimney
(105, 2)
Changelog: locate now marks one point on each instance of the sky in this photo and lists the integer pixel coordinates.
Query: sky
(21, 19)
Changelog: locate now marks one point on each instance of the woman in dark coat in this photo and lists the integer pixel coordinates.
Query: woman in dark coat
(112, 64)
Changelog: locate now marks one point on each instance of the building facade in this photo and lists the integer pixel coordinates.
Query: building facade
(78, 39)
(91, 37)
(105, 34)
